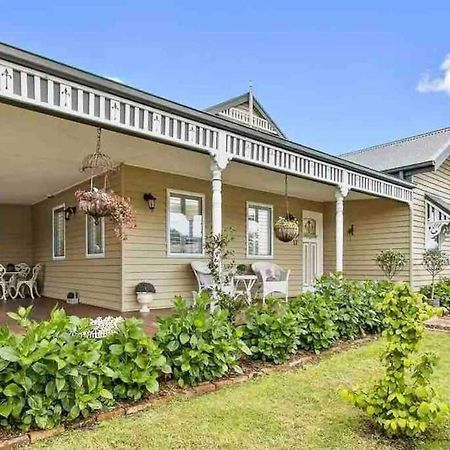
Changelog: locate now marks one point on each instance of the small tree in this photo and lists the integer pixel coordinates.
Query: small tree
(403, 402)
(222, 267)
(434, 261)
(390, 262)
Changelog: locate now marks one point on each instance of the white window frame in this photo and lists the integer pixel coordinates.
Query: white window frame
(191, 194)
(95, 255)
(58, 258)
(264, 205)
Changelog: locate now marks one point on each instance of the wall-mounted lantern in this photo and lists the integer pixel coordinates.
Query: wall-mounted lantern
(351, 230)
(151, 200)
(69, 212)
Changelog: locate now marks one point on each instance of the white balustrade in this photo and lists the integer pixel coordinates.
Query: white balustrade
(41, 90)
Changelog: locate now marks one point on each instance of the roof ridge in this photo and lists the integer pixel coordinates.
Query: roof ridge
(397, 141)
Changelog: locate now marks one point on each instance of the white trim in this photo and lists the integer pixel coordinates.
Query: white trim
(86, 234)
(63, 207)
(318, 217)
(191, 194)
(206, 138)
(264, 205)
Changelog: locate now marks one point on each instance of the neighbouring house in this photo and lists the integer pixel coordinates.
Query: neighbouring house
(208, 170)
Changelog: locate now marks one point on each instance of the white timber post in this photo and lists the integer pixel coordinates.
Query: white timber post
(340, 194)
(220, 161)
(216, 173)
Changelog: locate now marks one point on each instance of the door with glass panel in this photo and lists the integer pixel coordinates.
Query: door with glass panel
(312, 240)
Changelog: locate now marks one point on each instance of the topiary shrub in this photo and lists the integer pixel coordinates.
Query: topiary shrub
(403, 402)
(200, 344)
(434, 261)
(391, 262)
(441, 292)
(271, 331)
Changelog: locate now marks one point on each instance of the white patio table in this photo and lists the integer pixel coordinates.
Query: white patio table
(243, 285)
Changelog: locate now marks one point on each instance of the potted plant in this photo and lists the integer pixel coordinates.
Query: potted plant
(286, 228)
(144, 295)
(241, 269)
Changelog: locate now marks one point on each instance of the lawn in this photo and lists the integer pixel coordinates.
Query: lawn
(301, 409)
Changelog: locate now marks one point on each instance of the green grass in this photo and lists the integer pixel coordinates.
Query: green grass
(301, 409)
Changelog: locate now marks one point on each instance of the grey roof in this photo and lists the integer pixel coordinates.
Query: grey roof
(424, 150)
(28, 59)
(239, 100)
(439, 202)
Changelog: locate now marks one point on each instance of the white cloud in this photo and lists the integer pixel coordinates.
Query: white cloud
(439, 84)
(117, 80)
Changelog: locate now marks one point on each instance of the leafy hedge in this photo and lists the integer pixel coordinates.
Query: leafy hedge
(271, 332)
(337, 309)
(199, 344)
(50, 374)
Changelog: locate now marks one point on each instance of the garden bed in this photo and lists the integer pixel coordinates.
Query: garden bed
(169, 389)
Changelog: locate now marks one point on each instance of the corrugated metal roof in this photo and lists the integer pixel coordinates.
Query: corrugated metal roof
(432, 147)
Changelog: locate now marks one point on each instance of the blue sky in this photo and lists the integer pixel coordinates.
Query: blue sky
(336, 76)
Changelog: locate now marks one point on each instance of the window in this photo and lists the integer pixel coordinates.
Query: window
(259, 230)
(185, 223)
(59, 232)
(95, 237)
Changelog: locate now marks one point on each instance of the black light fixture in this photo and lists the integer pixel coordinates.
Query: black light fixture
(69, 212)
(351, 230)
(151, 200)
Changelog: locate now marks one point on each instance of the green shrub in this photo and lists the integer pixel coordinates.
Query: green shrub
(391, 262)
(45, 375)
(131, 361)
(441, 292)
(200, 345)
(403, 401)
(314, 325)
(50, 374)
(271, 332)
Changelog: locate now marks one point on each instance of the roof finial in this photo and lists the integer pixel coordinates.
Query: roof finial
(250, 103)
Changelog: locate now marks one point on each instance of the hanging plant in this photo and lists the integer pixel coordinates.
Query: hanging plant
(99, 203)
(286, 227)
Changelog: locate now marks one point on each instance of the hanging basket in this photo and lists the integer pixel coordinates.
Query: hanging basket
(286, 229)
(99, 203)
(96, 203)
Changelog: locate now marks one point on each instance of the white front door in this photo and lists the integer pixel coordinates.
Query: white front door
(312, 240)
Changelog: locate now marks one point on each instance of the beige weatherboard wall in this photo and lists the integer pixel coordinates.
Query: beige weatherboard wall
(438, 183)
(97, 280)
(378, 224)
(145, 251)
(15, 234)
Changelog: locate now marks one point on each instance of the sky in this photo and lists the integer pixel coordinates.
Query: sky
(336, 76)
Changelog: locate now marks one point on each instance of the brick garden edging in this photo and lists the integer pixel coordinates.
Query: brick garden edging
(169, 390)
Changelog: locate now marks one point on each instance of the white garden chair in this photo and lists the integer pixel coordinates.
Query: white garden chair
(4, 284)
(23, 270)
(273, 279)
(31, 284)
(205, 279)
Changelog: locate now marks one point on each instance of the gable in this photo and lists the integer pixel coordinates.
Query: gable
(238, 110)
